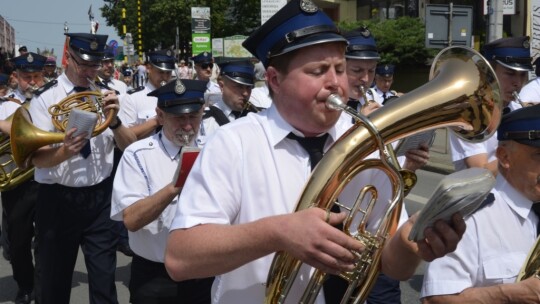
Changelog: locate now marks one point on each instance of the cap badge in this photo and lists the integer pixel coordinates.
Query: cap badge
(365, 32)
(526, 44)
(308, 6)
(30, 58)
(169, 53)
(386, 67)
(93, 45)
(205, 54)
(179, 88)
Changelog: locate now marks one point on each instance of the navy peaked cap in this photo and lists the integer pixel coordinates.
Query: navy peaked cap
(29, 62)
(521, 125)
(513, 53)
(180, 96)
(88, 47)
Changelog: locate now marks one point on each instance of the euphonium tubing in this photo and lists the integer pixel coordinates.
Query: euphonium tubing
(463, 94)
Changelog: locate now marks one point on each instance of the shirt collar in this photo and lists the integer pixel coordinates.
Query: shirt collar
(171, 149)
(515, 200)
(281, 128)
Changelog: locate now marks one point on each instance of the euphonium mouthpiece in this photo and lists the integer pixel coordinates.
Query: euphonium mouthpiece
(334, 102)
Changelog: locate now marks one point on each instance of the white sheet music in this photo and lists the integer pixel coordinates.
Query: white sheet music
(84, 121)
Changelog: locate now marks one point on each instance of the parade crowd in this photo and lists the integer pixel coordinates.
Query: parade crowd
(260, 125)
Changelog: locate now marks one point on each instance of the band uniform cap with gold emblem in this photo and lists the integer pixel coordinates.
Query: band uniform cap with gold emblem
(385, 70)
(298, 24)
(51, 61)
(361, 45)
(88, 47)
(23, 49)
(513, 53)
(521, 125)
(204, 57)
(238, 70)
(29, 62)
(108, 54)
(181, 96)
(162, 59)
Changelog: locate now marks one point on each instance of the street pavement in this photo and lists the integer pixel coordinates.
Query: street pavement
(438, 166)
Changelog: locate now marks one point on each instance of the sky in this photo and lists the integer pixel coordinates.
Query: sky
(40, 23)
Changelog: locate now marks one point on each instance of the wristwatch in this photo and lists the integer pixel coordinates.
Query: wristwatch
(118, 124)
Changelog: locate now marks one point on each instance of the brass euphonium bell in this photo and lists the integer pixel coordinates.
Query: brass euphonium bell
(463, 94)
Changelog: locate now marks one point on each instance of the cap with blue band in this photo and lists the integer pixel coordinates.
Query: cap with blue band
(181, 96)
(521, 125)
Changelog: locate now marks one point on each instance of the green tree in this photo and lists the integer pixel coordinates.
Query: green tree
(160, 18)
(400, 41)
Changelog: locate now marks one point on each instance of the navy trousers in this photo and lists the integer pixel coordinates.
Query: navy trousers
(67, 218)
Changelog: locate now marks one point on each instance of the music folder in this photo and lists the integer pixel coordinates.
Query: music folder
(188, 155)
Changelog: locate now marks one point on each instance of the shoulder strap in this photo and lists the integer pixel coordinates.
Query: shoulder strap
(45, 87)
(138, 89)
(218, 115)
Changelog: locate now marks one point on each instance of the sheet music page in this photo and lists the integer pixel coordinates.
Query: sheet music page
(84, 121)
(462, 191)
(414, 141)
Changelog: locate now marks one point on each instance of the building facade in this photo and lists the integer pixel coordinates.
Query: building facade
(7, 35)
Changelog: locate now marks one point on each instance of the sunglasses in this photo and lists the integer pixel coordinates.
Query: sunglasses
(207, 65)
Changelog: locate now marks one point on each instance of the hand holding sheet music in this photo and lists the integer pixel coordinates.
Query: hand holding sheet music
(188, 155)
(84, 121)
(462, 191)
(414, 142)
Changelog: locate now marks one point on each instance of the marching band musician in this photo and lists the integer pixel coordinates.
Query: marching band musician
(29, 75)
(362, 57)
(204, 67)
(145, 196)
(237, 201)
(19, 203)
(138, 110)
(236, 81)
(384, 77)
(485, 266)
(75, 183)
(510, 58)
(49, 70)
(106, 74)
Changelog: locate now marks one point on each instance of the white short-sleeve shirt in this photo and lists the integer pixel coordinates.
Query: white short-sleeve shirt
(493, 248)
(146, 167)
(76, 171)
(531, 91)
(138, 108)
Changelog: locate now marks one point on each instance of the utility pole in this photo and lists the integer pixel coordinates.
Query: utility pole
(495, 12)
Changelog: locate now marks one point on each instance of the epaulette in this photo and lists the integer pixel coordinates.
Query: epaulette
(487, 201)
(11, 95)
(135, 90)
(45, 87)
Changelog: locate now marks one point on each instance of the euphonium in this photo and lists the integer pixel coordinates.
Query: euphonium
(26, 138)
(463, 94)
(531, 267)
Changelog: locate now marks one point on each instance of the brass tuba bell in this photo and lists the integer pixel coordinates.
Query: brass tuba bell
(463, 94)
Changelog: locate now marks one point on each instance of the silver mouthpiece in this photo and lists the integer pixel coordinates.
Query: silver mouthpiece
(334, 102)
(162, 83)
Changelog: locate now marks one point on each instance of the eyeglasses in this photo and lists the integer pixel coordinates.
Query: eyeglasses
(94, 67)
(207, 65)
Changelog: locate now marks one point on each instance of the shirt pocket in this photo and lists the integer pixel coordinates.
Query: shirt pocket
(503, 268)
(145, 115)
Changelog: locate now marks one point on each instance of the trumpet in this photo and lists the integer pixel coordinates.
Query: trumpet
(518, 99)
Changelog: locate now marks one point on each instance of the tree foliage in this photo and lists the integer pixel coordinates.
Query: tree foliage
(160, 18)
(400, 41)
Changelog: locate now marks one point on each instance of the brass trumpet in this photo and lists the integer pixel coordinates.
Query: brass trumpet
(518, 99)
(463, 94)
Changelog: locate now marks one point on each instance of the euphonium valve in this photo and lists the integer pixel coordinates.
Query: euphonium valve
(463, 94)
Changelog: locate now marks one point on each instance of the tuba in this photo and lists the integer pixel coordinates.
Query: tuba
(26, 138)
(463, 94)
(531, 267)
